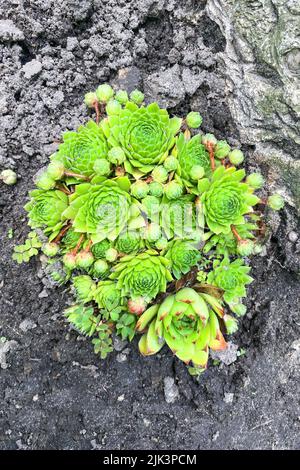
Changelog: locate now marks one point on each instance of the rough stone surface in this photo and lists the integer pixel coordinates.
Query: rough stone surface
(220, 57)
(9, 32)
(32, 68)
(165, 87)
(262, 69)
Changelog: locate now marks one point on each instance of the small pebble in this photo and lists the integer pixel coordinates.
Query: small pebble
(170, 390)
(5, 348)
(9, 32)
(27, 325)
(296, 345)
(228, 397)
(8, 177)
(121, 357)
(228, 356)
(43, 294)
(72, 43)
(293, 236)
(32, 68)
(119, 344)
(95, 445)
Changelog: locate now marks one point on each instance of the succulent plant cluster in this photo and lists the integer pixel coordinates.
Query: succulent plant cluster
(150, 220)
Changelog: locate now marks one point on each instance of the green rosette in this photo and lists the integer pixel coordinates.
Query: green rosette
(81, 149)
(226, 199)
(100, 210)
(145, 134)
(45, 209)
(144, 275)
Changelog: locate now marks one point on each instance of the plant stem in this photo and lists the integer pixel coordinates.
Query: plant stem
(210, 148)
(119, 171)
(97, 109)
(235, 233)
(149, 179)
(76, 175)
(62, 232)
(88, 246)
(75, 251)
(63, 189)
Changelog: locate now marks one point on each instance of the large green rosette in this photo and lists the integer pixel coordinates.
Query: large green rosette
(145, 134)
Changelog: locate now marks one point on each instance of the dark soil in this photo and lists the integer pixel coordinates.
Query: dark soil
(54, 392)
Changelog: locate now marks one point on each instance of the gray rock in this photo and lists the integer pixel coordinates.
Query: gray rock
(9, 31)
(20, 445)
(262, 67)
(32, 68)
(95, 445)
(228, 356)
(27, 325)
(3, 101)
(119, 344)
(293, 236)
(192, 81)
(121, 357)
(128, 78)
(170, 390)
(5, 348)
(44, 293)
(52, 100)
(165, 87)
(296, 345)
(99, 45)
(228, 397)
(72, 43)
(292, 363)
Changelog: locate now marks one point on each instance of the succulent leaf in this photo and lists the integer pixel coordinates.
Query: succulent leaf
(45, 208)
(194, 119)
(190, 153)
(232, 277)
(99, 249)
(226, 200)
(107, 295)
(84, 287)
(184, 322)
(183, 255)
(144, 275)
(80, 150)
(145, 134)
(276, 202)
(178, 217)
(128, 242)
(101, 210)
